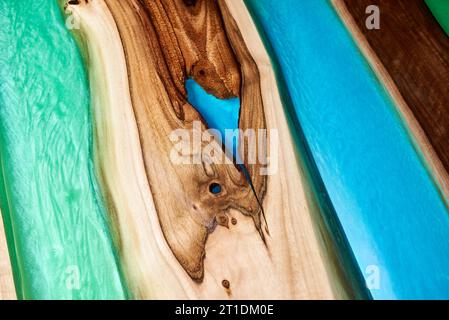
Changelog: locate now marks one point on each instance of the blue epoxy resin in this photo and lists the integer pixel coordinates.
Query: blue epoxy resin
(215, 188)
(390, 208)
(219, 114)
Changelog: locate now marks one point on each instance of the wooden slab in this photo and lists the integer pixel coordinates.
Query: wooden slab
(260, 240)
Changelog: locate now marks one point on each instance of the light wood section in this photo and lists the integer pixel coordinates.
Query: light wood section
(7, 290)
(166, 223)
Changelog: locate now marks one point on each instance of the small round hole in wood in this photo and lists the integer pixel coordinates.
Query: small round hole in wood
(215, 188)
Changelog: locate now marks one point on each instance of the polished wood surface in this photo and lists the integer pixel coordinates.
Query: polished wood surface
(176, 239)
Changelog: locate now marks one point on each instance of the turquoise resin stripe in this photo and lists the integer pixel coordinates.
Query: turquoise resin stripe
(55, 220)
(219, 114)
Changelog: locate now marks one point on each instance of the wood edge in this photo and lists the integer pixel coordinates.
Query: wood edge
(120, 155)
(7, 288)
(416, 133)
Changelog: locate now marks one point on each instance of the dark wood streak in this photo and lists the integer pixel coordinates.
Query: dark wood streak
(415, 51)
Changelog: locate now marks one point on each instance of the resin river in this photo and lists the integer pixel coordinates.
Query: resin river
(55, 219)
(388, 215)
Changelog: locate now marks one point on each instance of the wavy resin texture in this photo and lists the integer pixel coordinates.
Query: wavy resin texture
(55, 220)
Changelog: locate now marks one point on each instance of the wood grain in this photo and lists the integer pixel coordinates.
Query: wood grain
(7, 290)
(186, 233)
(166, 221)
(410, 53)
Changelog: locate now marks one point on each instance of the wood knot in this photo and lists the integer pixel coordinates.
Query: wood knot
(225, 283)
(223, 220)
(215, 188)
(190, 3)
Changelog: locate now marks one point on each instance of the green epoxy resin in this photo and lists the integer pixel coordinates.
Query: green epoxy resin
(56, 223)
(440, 9)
